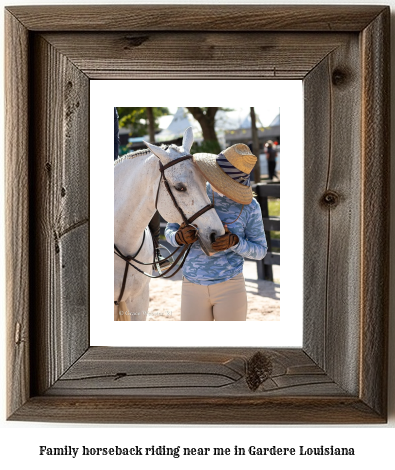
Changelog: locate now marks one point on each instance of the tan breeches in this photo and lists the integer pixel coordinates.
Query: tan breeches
(225, 301)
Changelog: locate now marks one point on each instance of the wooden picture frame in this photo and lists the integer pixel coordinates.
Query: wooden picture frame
(340, 373)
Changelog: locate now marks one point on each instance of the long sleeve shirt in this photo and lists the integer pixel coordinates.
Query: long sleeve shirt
(224, 265)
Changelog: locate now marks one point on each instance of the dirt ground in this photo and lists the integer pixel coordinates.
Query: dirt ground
(263, 297)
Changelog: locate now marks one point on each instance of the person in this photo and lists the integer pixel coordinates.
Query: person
(213, 287)
(271, 154)
(154, 224)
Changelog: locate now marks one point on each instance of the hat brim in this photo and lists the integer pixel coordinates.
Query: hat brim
(207, 164)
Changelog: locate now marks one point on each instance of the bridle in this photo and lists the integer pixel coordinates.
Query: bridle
(185, 249)
(162, 169)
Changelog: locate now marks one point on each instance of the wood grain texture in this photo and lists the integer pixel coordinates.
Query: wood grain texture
(198, 55)
(61, 204)
(17, 190)
(317, 118)
(193, 372)
(196, 17)
(197, 410)
(332, 214)
(195, 385)
(339, 376)
(74, 293)
(375, 211)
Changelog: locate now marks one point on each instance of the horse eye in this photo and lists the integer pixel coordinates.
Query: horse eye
(180, 187)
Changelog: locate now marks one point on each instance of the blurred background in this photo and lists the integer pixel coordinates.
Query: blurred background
(214, 129)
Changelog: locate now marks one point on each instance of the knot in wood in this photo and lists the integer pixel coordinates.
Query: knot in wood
(135, 41)
(119, 375)
(330, 199)
(18, 336)
(259, 369)
(339, 77)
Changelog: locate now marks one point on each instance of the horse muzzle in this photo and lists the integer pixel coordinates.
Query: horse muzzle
(206, 243)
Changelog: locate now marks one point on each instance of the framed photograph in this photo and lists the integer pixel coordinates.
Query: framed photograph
(339, 374)
(271, 97)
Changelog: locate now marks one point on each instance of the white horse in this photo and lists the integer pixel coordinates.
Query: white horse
(136, 180)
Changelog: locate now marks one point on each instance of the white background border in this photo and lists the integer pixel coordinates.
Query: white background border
(284, 94)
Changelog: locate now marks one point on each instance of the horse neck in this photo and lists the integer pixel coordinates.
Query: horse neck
(135, 183)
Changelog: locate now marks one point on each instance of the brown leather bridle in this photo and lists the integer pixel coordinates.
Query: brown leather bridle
(185, 249)
(162, 169)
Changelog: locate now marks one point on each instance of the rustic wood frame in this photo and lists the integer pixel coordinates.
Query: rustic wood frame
(340, 373)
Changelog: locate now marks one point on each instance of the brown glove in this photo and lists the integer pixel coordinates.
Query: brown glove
(224, 242)
(186, 235)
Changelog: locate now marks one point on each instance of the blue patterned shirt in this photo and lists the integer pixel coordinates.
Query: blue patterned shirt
(224, 265)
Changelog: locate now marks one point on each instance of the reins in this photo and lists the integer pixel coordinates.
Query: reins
(185, 249)
(125, 274)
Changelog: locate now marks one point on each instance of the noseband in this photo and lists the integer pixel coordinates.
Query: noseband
(185, 249)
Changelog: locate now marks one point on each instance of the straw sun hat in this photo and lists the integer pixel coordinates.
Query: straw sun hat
(229, 172)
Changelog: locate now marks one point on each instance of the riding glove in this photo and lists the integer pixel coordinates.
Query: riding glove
(186, 234)
(224, 242)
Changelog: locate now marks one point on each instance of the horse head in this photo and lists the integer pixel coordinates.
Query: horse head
(188, 187)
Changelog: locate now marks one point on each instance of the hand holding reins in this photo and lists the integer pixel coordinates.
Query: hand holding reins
(187, 234)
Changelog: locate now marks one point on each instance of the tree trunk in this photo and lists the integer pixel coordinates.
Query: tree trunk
(255, 146)
(206, 121)
(151, 124)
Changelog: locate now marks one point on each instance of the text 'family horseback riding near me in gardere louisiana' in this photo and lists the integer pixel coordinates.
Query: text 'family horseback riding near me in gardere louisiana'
(178, 451)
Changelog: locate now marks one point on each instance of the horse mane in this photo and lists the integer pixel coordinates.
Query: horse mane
(137, 153)
(131, 155)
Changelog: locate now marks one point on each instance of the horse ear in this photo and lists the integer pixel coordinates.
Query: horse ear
(159, 152)
(187, 139)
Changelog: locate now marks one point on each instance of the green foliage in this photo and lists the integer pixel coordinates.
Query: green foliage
(274, 207)
(136, 118)
(123, 149)
(209, 146)
(274, 211)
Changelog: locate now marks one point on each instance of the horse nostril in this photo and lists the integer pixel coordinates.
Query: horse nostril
(212, 237)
